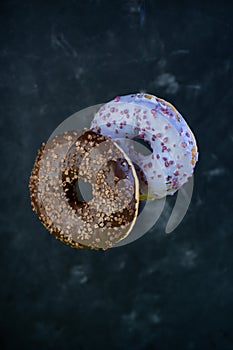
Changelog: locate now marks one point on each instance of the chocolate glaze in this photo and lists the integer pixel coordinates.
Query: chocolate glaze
(38, 206)
(120, 169)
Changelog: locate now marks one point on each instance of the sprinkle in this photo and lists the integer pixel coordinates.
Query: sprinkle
(153, 111)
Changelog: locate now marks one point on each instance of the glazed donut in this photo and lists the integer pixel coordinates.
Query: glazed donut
(159, 124)
(110, 215)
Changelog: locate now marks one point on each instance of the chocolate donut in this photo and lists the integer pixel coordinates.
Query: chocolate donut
(105, 219)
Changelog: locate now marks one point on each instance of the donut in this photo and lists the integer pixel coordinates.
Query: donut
(105, 219)
(160, 126)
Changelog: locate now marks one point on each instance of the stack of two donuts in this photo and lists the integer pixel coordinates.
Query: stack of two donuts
(120, 176)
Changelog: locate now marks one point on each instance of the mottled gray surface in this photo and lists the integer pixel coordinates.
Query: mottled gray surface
(163, 291)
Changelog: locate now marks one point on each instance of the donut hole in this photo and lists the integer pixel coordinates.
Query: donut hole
(143, 181)
(141, 207)
(84, 190)
(141, 146)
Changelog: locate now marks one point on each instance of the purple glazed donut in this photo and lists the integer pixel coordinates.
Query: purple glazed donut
(158, 123)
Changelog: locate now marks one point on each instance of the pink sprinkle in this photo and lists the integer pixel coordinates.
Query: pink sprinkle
(116, 131)
(108, 124)
(164, 148)
(117, 99)
(126, 111)
(166, 164)
(184, 144)
(158, 135)
(157, 156)
(175, 183)
(176, 173)
(150, 165)
(153, 111)
(171, 162)
(179, 166)
(159, 175)
(165, 139)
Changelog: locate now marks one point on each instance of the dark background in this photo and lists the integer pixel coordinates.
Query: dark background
(163, 291)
